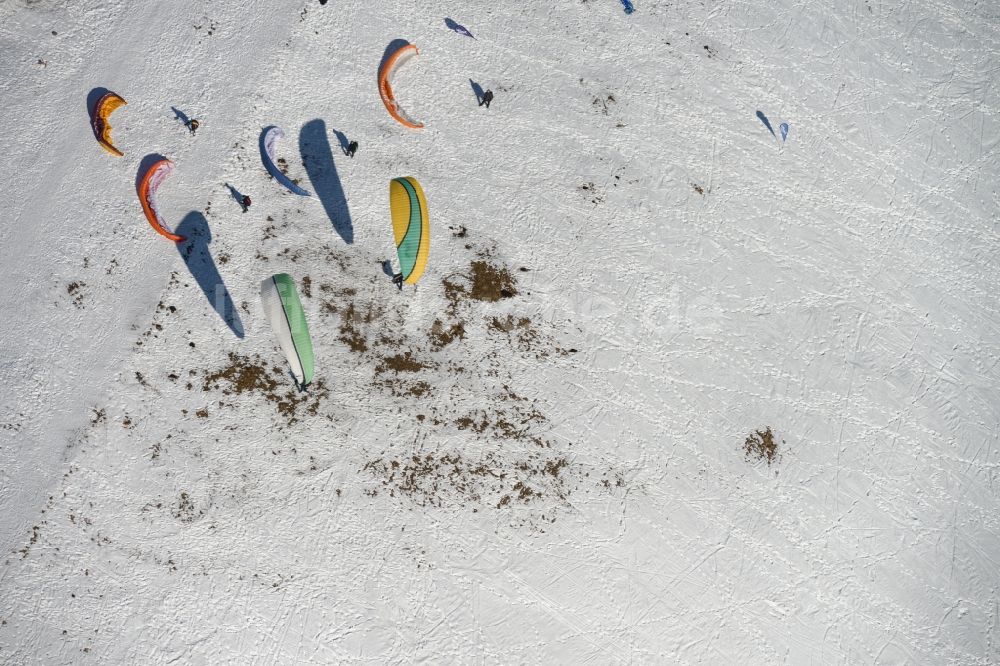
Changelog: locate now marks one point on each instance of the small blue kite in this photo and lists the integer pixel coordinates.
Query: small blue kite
(627, 4)
(783, 128)
(458, 27)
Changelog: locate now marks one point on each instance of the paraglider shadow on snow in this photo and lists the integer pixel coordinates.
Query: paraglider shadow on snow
(394, 46)
(458, 27)
(235, 194)
(194, 251)
(342, 140)
(767, 123)
(317, 157)
(181, 116)
(93, 97)
(478, 90)
(144, 165)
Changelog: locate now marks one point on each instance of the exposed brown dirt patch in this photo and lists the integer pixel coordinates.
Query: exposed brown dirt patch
(246, 375)
(75, 290)
(354, 320)
(442, 335)
(401, 363)
(760, 445)
(242, 375)
(435, 478)
(491, 283)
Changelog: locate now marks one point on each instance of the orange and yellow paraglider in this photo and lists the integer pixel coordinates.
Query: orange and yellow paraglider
(105, 106)
(147, 197)
(392, 62)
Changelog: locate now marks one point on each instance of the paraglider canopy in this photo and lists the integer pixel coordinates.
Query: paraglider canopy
(150, 182)
(284, 311)
(458, 27)
(410, 226)
(268, 138)
(105, 106)
(394, 60)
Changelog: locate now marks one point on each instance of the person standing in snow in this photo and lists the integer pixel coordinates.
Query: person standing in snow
(487, 98)
(397, 280)
(192, 125)
(245, 202)
(352, 148)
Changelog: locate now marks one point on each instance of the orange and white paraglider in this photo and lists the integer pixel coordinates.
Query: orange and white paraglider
(147, 197)
(105, 106)
(392, 62)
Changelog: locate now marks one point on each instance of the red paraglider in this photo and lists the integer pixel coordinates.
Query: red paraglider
(147, 197)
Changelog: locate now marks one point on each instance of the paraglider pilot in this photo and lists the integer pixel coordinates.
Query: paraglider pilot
(397, 280)
(487, 98)
(192, 125)
(245, 202)
(352, 148)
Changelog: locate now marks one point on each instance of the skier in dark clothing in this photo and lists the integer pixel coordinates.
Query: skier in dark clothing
(352, 148)
(487, 98)
(246, 202)
(192, 125)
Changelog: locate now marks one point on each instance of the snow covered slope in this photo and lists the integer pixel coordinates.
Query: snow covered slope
(538, 454)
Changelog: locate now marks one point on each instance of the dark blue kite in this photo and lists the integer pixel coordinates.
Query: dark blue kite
(458, 27)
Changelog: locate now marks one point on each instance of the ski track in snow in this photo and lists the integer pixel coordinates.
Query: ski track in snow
(839, 287)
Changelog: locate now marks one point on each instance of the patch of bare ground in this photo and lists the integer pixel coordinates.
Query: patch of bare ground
(396, 373)
(484, 281)
(75, 291)
(98, 416)
(519, 331)
(400, 363)
(506, 421)
(185, 510)
(449, 388)
(591, 190)
(400, 387)
(523, 334)
(252, 375)
(355, 320)
(490, 283)
(491, 479)
(761, 445)
(36, 531)
(441, 334)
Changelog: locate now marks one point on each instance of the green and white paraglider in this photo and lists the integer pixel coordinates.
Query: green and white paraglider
(284, 311)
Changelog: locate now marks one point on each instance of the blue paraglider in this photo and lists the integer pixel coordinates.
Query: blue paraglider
(767, 123)
(783, 128)
(627, 4)
(458, 27)
(267, 140)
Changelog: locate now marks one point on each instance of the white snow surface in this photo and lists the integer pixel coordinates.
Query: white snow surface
(564, 481)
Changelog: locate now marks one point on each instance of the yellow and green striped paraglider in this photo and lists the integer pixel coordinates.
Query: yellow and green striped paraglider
(411, 227)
